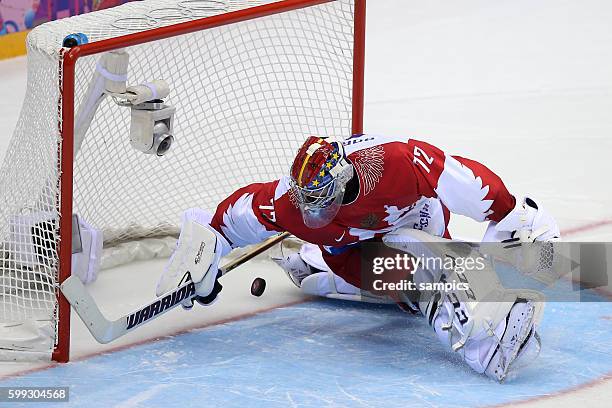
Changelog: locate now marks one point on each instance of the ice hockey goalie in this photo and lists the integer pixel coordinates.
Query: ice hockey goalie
(399, 192)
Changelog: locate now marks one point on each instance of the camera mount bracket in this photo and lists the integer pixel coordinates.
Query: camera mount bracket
(151, 119)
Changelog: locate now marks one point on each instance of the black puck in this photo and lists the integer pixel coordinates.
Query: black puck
(258, 287)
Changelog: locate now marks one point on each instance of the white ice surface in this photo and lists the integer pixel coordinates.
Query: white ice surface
(523, 86)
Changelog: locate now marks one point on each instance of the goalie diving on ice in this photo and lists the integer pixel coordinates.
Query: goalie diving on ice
(341, 195)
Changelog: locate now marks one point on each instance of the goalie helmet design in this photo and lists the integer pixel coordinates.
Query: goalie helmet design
(319, 175)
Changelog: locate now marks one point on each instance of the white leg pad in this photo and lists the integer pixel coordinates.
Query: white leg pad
(332, 286)
(472, 322)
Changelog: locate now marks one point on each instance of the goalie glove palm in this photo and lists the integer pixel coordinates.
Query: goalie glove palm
(198, 252)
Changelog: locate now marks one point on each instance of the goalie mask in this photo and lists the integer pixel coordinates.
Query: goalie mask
(319, 175)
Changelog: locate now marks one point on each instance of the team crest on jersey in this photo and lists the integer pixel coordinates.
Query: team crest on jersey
(370, 166)
(370, 221)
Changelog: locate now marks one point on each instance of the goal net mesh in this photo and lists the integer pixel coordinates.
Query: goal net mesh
(246, 95)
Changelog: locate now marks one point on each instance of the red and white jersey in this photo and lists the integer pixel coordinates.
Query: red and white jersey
(402, 182)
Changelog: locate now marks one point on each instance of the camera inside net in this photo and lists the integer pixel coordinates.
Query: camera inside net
(151, 129)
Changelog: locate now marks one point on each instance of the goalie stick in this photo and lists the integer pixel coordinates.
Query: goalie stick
(105, 331)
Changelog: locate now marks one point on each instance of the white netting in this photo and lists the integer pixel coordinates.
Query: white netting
(247, 94)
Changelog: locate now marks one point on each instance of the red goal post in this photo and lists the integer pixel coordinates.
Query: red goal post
(231, 130)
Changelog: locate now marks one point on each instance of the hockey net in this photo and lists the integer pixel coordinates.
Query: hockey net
(250, 80)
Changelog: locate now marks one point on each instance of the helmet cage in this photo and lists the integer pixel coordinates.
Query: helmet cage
(320, 205)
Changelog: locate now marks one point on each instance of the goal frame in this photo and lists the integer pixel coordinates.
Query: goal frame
(61, 352)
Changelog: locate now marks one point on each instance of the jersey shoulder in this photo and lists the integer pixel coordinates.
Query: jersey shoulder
(360, 142)
(372, 153)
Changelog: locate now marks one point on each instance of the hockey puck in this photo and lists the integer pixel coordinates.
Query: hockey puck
(258, 287)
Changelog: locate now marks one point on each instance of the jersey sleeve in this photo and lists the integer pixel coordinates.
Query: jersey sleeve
(247, 216)
(464, 186)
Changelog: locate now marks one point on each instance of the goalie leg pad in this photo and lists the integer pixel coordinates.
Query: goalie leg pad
(518, 345)
(309, 272)
(295, 267)
(330, 285)
(487, 324)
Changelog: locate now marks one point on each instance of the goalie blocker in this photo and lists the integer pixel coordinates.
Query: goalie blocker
(105, 331)
(196, 258)
(191, 274)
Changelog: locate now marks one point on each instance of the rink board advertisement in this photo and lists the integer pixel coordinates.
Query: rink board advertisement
(19, 16)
